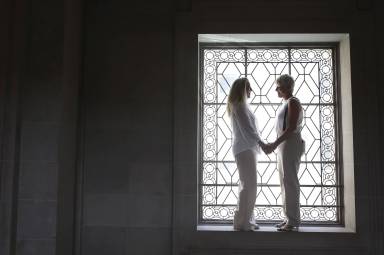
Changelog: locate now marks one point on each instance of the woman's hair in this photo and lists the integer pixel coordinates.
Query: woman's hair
(237, 93)
(287, 81)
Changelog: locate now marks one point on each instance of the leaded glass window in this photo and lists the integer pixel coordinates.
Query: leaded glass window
(313, 69)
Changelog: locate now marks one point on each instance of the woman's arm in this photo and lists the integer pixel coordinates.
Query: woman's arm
(247, 129)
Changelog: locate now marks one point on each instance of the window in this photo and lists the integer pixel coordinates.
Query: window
(315, 70)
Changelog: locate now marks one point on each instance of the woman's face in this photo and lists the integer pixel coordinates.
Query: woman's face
(282, 91)
(248, 89)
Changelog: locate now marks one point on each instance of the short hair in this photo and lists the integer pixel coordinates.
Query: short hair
(287, 81)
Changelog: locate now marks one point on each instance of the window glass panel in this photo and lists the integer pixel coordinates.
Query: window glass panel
(314, 72)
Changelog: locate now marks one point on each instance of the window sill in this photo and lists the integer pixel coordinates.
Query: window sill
(271, 228)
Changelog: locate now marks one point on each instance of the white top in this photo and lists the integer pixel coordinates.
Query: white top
(280, 118)
(245, 134)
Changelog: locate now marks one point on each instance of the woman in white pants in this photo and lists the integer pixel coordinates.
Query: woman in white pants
(290, 149)
(245, 146)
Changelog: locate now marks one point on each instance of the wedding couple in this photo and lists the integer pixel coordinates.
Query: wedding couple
(247, 143)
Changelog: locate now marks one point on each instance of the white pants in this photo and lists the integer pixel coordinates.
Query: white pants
(288, 163)
(246, 165)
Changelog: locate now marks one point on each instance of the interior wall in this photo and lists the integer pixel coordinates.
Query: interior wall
(6, 162)
(127, 105)
(40, 84)
(377, 195)
(99, 124)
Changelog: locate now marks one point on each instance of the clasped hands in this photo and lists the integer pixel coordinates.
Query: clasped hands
(267, 147)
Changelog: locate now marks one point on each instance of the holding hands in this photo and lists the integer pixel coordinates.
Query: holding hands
(267, 148)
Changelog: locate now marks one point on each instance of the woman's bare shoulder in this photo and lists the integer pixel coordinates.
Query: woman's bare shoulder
(294, 102)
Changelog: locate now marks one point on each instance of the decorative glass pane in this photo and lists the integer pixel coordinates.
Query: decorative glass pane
(313, 71)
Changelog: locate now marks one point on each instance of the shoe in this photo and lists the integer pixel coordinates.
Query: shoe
(253, 227)
(281, 224)
(288, 228)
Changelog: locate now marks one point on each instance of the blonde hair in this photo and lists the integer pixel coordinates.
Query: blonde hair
(237, 93)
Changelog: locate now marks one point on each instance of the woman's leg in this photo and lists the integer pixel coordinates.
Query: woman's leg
(246, 165)
(281, 177)
(291, 154)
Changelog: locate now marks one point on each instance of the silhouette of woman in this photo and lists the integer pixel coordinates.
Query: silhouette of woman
(245, 146)
(290, 149)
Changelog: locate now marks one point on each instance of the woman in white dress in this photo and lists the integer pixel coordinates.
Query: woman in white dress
(290, 147)
(245, 146)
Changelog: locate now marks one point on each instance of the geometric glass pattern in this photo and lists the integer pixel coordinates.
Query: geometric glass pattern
(313, 69)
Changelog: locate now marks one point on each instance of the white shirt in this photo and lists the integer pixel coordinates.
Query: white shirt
(244, 126)
(280, 118)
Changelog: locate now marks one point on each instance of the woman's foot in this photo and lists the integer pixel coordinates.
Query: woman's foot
(255, 226)
(281, 224)
(252, 227)
(288, 228)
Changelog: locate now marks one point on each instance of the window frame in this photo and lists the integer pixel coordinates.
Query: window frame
(339, 170)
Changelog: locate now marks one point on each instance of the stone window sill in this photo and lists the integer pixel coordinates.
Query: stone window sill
(271, 228)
